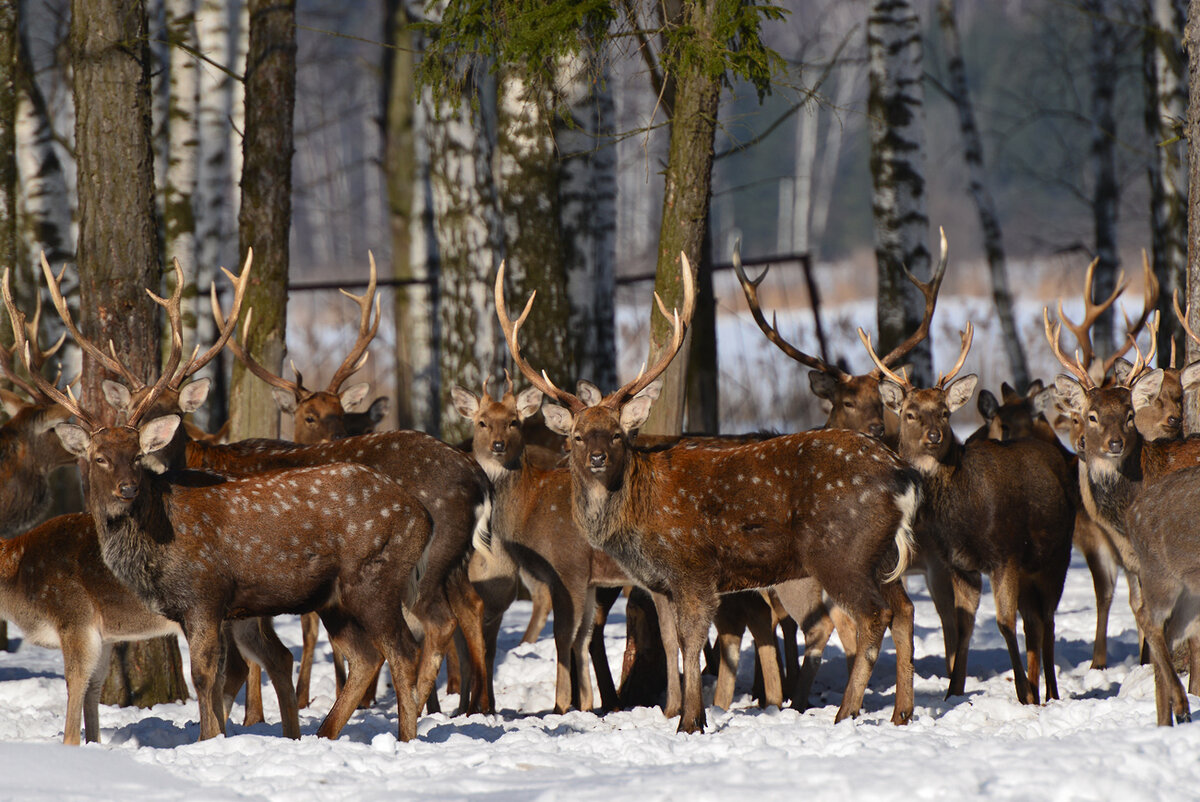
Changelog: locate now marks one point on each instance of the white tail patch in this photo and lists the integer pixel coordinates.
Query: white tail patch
(482, 539)
(905, 545)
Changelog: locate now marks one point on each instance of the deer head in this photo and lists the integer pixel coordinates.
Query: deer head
(599, 434)
(926, 438)
(320, 415)
(854, 400)
(1012, 416)
(497, 441)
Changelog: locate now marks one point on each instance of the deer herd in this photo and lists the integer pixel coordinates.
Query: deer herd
(397, 541)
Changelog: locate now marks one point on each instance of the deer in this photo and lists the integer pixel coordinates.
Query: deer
(1004, 509)
(686, 520)
(198, 548)
(55, 585)
(855, 404)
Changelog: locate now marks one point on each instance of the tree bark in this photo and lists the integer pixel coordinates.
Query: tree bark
(989, 221)
(896, 110)
(118, 252)
(8, 141)
(1105, 191)
(1191, 39)
(266, 207)
(686, 195)
(1166, 106)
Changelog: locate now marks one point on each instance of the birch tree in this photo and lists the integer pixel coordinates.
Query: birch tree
(896, 111)
(8, 141)
(118, 253)
(1166, 109)
(985, 205)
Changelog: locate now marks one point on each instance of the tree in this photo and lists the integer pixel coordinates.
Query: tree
(895, 108)
(118, 253)
(1191, 39)
(1105, 190)
(264, 220)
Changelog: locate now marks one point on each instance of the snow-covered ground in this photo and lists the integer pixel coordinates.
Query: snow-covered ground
(1098, 742)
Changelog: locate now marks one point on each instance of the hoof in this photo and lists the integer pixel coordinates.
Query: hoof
(1186, 718)
(692, 724)
(900, 718)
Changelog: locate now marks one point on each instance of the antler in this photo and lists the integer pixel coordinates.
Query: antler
(197, 361)
(880, 367)
(679, 326)
(1150, 301)
(966, 336)
(38, 357)
(110, 363)
(1183, 320)
(1092, 313)
(366, 332)
(771, 330)
(1075, 366)
(930, 291)
(21, 330)
(511, 329)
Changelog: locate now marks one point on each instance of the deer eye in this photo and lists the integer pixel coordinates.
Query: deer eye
(909, 416)
(310, 420)
(512, 424)
(481, 425)
(1092, 418)
(101, 461)
(616, 438)
(848, 404)
(578, 439)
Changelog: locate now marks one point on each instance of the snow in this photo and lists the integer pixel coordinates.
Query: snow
(1099, 741)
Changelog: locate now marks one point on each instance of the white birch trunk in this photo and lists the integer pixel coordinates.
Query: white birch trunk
(895, 107)
(237, 100)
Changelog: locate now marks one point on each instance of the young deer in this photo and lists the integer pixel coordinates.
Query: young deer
(694, 522)
(1004, 509)
(199, 549)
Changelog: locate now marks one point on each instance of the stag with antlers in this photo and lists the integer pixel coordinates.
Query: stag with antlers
(199, 548)
(688, 521)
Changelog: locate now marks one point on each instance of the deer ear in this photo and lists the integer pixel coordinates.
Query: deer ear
(529, 402)
(558, 419)
(74, 438)
(1146, 389)
(12, 402)
(1007, 393)
(1121, 370)
(892, 395)
(960, 391)
(353, 396)
(117, 395)
(653, 390)
(588, 393)
(156, 434)
(988, 405)
(286, 400)
(635, 412)
(194, 394)
(1070, 392)
(1043, 400)
(1035, 389)
(378, 410)
(465, 402)
(822, 384)
(1190, 376)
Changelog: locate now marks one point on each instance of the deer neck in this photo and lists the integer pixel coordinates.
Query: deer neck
(613, 517)
(512, 484)
(133, 543)
(24, 496)
(1107, 493)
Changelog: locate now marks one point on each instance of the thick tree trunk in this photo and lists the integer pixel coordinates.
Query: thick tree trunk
(266, 207)
(527, 184)
(1191, 40)
(1105, 190)
(470, 239)
(688, 187)
(896, 110)
(587, 196)
(8, 144)
(413, 253)
(118, 252)
(989, 221)
(1166, 105)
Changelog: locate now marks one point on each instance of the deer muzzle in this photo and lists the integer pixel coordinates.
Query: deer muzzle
(127, 491)
(875, 430)
(498, 447)
(597, 460)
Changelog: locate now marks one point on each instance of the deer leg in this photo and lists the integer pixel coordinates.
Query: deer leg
(454, 673)
(81, 661)
(91, 700)
(566, 616)
(939, 581)
(1102, 564)
(256, 639)
(400, 649)
(605, 598)
(844, 625)
(543, 603)
(802, 599)
(1169, 696)
(762, 629)
(362, 659)
(1004, 589)
(469, 610)
(1048, 654)
(869, 627)
(1035, 638)
(967, 587)
(580, 647)
(254, 706)
(204, 646)
(692, 617)
(902, 638)
(665, 609)
(309, 624)
(730, 626)
(789, 630)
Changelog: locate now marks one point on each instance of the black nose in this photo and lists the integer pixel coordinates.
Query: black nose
(875, 430)
(497, 446)
(935, 437)
(1174, 421)
(128, 491)
(1116, 444)
(597, 460)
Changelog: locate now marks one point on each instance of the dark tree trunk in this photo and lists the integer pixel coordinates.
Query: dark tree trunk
(1191, 40)
(266, 210)
(8, 140)
(118, 252)
(1105, 191)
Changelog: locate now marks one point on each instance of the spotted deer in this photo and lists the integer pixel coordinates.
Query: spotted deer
(1004, 509)
(198, 548)
(690, 521)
